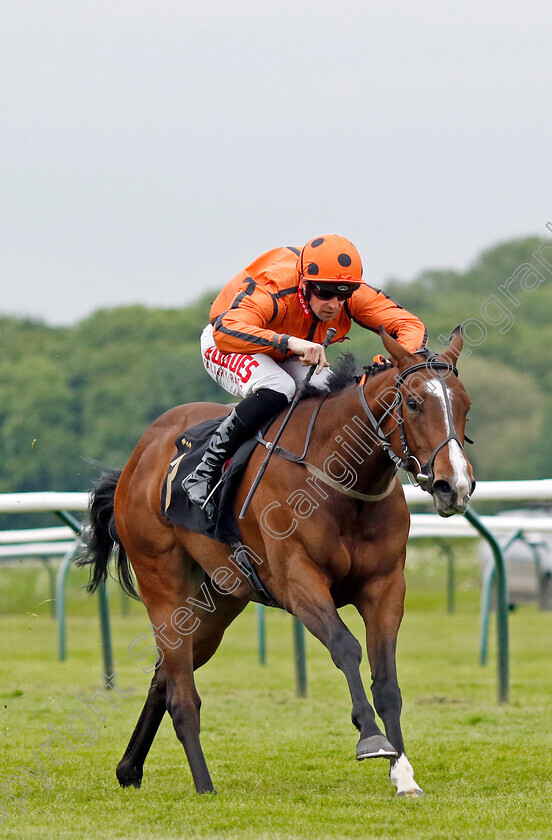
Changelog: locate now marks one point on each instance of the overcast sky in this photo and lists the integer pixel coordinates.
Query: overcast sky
(150, 150)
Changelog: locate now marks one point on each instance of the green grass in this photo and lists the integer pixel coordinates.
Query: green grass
(284, 767)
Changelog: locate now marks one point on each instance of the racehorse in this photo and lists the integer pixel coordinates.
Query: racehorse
(321, 539)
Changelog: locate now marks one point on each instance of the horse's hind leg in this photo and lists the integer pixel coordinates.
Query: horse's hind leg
(131, 767)
(183, 705)
(183, 701)
(207, 634)
(173, 690)
(166, 582)
(381, 605)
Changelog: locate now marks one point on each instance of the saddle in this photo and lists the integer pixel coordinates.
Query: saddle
(177, 508)
(175, 504)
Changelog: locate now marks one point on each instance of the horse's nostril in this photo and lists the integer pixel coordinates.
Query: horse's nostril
(442, 487)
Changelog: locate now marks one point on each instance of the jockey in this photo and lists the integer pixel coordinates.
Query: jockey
(266, 329)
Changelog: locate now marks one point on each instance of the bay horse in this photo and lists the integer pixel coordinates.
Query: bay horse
(322, 540)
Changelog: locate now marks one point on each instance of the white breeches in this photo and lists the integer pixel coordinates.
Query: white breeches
(241, 374)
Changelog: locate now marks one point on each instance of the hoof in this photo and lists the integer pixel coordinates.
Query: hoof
(413, 793)
(376, 746)
(129, 776)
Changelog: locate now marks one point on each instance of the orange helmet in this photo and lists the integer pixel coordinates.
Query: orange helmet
(330, 259)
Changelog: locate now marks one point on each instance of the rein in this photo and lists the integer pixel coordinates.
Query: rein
(316, 471)
(423, 474)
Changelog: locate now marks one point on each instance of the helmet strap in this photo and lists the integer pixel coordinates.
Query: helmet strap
(304, 295)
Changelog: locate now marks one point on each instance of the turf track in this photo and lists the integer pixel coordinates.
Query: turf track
(284, 767)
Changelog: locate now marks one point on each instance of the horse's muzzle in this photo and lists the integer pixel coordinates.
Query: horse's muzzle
(446, 498)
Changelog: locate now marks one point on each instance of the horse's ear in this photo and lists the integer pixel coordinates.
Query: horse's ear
(456, 342)
(395, 351)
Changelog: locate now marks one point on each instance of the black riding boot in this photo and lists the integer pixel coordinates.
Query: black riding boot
(234, 430)
(225, 441)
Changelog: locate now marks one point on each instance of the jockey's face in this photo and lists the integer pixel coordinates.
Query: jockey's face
(325, 310)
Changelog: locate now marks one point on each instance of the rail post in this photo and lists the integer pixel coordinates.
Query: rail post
(261, 633)
(300, 658)
(448, 552)
(107, 650)
(501, 606)
(103, 604)
(60, 603)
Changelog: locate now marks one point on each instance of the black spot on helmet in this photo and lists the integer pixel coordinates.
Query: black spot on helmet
(332, 259)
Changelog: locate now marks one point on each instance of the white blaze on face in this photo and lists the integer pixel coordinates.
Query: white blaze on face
(459, 463)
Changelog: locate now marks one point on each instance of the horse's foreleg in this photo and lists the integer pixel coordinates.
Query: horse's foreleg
(312, 603)
(381, 605)
(131, 767)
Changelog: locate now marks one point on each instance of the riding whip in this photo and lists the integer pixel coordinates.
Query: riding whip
(300, 391)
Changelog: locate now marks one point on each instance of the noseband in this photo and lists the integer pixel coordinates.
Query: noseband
(408, 462)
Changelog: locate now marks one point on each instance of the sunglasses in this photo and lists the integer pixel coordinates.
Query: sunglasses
(329, 294)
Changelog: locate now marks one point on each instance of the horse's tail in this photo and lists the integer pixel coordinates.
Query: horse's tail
(101, 538)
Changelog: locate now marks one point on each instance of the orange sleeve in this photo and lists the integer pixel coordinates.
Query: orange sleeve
(370, 307)
(244, 327)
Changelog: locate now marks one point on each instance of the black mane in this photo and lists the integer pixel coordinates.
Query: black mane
(345, 372)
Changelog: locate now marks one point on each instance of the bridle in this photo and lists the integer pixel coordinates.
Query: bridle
(423, 474)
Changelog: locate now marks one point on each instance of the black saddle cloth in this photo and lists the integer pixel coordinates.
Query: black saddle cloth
(175, 504)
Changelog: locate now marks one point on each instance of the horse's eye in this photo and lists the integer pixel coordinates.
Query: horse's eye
(412, 404)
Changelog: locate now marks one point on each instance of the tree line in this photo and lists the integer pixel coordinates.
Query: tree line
(71, 397)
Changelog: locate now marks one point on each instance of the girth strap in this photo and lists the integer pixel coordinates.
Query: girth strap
(244, 562)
